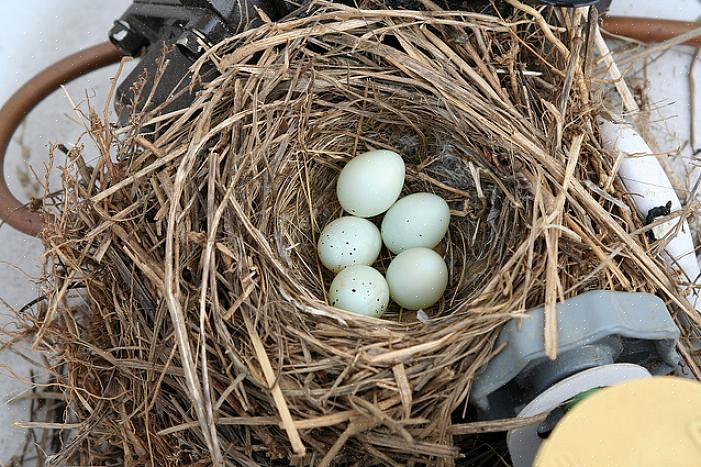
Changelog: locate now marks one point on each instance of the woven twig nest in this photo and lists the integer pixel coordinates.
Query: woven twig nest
(203, 334)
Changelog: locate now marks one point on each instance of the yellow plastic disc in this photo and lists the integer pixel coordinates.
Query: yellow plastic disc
(650, 422)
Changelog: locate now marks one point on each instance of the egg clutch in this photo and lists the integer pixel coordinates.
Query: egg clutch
(417, 276)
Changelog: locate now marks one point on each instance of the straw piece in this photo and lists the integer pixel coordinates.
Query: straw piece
(404, 388)
(497, 425)
(544, 26)
(552, 282)
(287, 422)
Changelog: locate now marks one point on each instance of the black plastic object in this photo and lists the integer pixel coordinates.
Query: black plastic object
(176, 29)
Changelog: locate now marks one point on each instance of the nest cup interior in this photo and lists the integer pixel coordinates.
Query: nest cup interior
(340, 123)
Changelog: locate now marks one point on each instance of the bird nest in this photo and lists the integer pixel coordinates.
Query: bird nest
(186, 313)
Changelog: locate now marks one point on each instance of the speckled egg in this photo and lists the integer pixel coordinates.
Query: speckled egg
(348, 241)
(360, 289)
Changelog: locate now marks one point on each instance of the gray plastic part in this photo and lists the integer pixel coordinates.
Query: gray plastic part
(588, 356)
(595, 328)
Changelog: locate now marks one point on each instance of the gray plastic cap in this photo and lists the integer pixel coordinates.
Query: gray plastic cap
(637, 326)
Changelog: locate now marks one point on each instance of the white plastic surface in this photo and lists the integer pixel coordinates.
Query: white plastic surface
(650, 187)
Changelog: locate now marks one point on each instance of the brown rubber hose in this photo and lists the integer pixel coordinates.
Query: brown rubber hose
(649, 29)
(13, 211)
